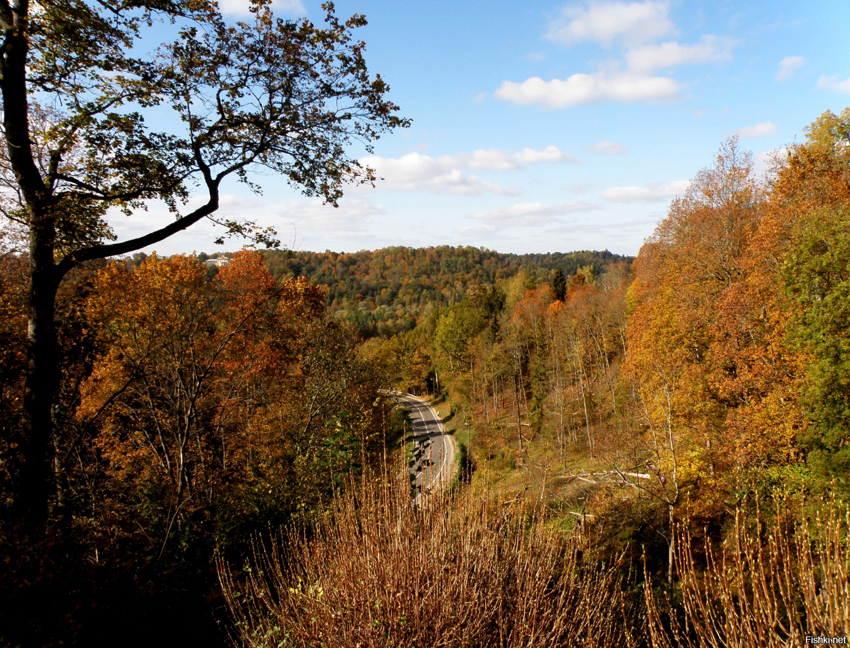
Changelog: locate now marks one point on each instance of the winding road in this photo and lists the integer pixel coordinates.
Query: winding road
(434, 450)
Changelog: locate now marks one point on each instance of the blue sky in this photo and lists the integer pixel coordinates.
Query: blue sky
(551, 126)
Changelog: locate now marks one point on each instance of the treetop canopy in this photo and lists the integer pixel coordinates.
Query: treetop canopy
(264, 95)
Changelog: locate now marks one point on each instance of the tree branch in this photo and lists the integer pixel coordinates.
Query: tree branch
(113, 249)
(98, 194)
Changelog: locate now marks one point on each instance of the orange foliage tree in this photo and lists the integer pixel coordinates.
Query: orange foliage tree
(693, 328)
(220, 400)
(720, 347)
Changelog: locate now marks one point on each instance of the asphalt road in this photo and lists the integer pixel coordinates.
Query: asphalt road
(433, 449)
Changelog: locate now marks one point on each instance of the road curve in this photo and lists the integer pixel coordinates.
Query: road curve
(434, 451)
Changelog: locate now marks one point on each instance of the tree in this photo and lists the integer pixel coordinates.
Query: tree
(814, 194)
(285, 97)
(696, 371)
(219, 402)
(817, 276)
(455, 330)
(559, 285)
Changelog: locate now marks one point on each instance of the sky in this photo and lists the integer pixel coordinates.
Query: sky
(549, 126)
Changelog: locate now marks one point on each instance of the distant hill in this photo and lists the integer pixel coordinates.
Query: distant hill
(384, 291)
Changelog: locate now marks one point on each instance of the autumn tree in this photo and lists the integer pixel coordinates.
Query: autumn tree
(179, 371)
(455, 330)
(267, 94)
(684, 338)
(224, 402)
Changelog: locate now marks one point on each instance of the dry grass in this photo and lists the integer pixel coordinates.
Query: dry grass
(769, 585)
(378, 571)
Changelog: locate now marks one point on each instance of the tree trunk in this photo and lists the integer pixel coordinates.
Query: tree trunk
(485, 397)
(34, 476)
(41, 381)
(580, 374)
(518, 420)
(670, 544)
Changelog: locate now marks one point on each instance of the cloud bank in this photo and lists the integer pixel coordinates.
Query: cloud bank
(585, 89)
(445, 174)
(650, 58)
(632, 26)
(834, 84)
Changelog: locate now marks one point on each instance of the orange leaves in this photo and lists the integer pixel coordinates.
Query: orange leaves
(694, 350)
(245, 285)
(299, 297)
(528, 312)
(189, 359)
(159, 298)
(708, 298)
(220, 393)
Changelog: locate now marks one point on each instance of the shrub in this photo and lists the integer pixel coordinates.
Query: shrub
(379, 571)
(770, 584)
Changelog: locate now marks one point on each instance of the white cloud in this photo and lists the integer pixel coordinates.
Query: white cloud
(229, 202)
(323, 216)
(531, 214)
(657, 57)
(834, 84)
(604, 22)
(522, 215)
(549, 154)
(610, 148)
(310, 221)
(416, 172)
(444, 174)
(759, 130)
(648, 193)
(610, 230)
(158, 216)
(581, 188)
(295, 221)
(310, 213)
(583, 89)
(502, 160)
(241, 7)
(788, 67)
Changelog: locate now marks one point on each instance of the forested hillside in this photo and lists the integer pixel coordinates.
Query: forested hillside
(717, 361)
(385, 291)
